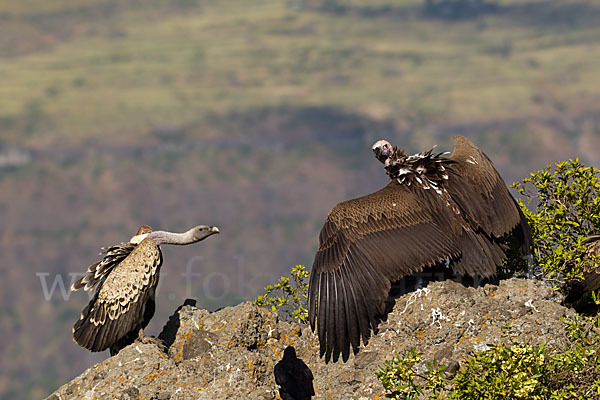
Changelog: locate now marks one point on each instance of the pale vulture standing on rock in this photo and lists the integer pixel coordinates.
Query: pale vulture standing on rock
(436, 210)
(125, 281)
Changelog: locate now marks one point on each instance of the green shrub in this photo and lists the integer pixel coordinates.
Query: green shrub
(523, 371)
(401, 381)
(504, 372)
(577, 370)
(517, 370)
(566, 197)
(288, 296)
(560, 375)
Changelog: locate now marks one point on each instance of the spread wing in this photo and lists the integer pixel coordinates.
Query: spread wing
(118, 305)
(365, 244)
(97, 272)
(482, 195)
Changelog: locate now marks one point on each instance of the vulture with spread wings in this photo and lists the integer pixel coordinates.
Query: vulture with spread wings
(435, 209)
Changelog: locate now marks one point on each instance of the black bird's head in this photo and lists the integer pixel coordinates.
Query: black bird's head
(289, 352)
(382, 150)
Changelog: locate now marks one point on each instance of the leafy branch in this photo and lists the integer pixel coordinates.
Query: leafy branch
(289, 296)
(399, 377)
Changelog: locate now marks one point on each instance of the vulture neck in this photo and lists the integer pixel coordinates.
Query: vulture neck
(425, 169)
(164, 237)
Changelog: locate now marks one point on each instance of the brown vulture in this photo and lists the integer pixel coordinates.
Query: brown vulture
(436, 209)
(592, 273)
(125, 281)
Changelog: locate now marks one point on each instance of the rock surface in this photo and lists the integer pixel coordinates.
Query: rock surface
(231, 353)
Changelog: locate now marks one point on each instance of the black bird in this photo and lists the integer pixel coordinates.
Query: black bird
(294, 377)
(436, 209)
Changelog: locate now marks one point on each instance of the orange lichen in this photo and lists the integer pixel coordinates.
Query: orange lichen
(462, 339)
(179, 354)
(276, 354)
(153, 375)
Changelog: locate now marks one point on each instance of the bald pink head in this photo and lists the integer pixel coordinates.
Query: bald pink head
(382, 150)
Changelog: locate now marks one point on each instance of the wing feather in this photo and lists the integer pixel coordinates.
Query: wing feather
(480, 192)
(332, 329)
(365, 244)
(352, 311)
(97, 272)
(323, 309)
(313, 297)
(357, 283)
(329, 317)
(347, 322)
(342, 341)
(480, 256)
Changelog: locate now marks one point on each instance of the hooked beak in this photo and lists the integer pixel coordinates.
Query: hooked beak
(377, 152)
(214, 229)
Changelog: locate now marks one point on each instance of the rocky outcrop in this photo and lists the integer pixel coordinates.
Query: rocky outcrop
(231, 353)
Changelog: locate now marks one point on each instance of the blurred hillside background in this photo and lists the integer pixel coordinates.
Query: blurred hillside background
(256, 116)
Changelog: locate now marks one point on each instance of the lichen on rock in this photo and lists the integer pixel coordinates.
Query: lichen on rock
(231, 353)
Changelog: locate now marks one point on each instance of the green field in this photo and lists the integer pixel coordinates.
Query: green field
(101, 69)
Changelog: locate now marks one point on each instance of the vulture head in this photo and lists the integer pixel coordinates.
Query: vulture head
(201, 232)
(382, 150)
